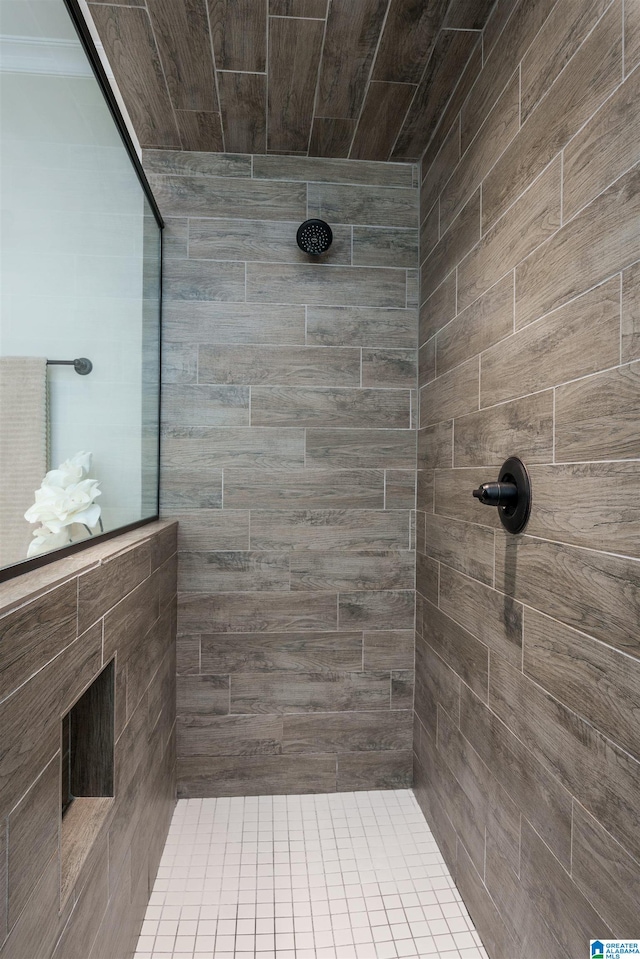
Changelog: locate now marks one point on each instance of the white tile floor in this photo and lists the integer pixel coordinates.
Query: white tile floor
(305, 877)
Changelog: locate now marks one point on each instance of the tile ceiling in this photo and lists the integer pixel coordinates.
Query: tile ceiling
(365, 79)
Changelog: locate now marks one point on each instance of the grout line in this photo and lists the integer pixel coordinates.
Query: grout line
(215, 76)
(495, 546)
(621, 314)
(571, 839)
(317, 89)
(166, 84)
(461, 74)
(561, 188)
(623, 38)
(520, 849)
(553, 428)
(367, 85)
(507, 209)
(484, 857)
(456, 296)
(267, 63)
(285, 16)
(545, 389)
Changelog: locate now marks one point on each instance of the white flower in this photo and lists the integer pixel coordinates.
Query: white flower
(57, 507)
(66, 496)
(71, 471)
(44, 540)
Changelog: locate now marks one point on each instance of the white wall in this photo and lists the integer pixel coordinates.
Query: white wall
(71, 247)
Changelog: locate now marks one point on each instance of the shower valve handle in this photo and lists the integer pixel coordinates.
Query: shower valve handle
(497, 494)
(511, 494)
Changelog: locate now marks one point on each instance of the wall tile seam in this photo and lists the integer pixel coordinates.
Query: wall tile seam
(127, 595)
(32, 676)
(425, 177)
(173, 432)
(264, 263)
(530, 536)
(533, 40)
(600, 462)
(585, 37)
(4, 939)
(316, 389)
(7, 816)
(558, 702)
(297, 302)
(486, 171)
(607, 649)
(359, 225)
(159, 61)
(609, 185)
(511, 399)
(283, 182)
(563, 222)
(517, 396)
(462, 67)
(39, 593)
(537, 319)
(518, 68)
(488, 229)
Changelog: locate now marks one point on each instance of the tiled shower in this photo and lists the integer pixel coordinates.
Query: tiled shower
(392, 728)
(289, 462)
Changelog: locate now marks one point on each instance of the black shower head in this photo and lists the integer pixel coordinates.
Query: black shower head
(314, 237)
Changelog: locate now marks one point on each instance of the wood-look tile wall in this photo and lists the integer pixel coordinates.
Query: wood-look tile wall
(527, 707)
(327, 78)
(288, 457)
(59, 627)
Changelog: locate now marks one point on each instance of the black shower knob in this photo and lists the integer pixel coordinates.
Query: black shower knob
(314, 237)
(511, 494)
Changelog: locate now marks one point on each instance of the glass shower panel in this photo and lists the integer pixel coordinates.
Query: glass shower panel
(80, 277)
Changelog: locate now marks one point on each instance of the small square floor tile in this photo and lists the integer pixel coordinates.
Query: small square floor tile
(336, 876)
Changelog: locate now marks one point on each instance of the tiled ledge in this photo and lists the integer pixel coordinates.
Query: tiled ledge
(16, 592)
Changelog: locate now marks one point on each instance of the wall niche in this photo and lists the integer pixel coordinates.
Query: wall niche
(87, 779)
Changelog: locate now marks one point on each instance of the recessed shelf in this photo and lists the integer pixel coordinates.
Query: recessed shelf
(87, 779)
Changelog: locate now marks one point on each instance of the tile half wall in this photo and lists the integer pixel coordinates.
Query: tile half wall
(288, 457)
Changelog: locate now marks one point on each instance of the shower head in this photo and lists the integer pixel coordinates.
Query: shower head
(314, 237)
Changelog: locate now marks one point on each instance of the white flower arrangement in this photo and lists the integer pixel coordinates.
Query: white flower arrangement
(66, 496)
